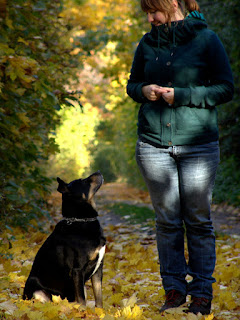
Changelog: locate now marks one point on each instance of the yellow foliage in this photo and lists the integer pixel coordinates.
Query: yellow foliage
(73, 137)
(22, 67)
(227, 300)
(9, 23)
(23, 118)
(108, 54)
(1, 86)
(210, 317)
(20, 91)
(132, 313)
(84, 16)
(5, 50)
(56, 299)
(116, 298)
(23, 41)
(132, 288)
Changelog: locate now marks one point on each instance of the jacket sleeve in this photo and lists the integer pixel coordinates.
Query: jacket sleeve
(136, 80)
(220, 86)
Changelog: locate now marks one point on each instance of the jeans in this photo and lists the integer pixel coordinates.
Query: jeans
(180, 180)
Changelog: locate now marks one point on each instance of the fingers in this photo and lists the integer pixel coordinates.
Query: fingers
(149, 92)
(154, 95)
(169, 96)
(162, 90)
(153, 92)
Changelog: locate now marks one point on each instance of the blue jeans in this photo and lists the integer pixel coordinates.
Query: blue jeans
(180, 180)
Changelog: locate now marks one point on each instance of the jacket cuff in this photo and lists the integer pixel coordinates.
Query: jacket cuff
(139, 92)
(182, 97)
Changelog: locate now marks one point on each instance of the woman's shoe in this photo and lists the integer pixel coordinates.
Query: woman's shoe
(174, 299)
(200, 305)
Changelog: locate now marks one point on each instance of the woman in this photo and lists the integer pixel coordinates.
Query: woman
(180, 73)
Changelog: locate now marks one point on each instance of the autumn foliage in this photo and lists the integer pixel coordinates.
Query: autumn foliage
(132, 287)
(35, 65)
(53, 53)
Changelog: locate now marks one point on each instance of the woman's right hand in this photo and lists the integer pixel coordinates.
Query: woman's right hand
(153, 92)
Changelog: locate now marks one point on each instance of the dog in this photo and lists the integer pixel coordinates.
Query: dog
(74, 251)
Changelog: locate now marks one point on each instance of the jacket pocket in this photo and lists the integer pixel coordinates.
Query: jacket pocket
(194, 120)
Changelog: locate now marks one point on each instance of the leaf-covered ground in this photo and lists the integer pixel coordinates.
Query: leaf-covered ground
(132, 287)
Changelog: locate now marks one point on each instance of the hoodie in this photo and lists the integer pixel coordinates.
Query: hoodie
(189, 57)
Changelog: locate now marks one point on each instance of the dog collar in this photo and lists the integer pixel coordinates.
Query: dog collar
(71, 220)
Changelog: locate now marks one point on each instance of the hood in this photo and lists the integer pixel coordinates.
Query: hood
(178, 32)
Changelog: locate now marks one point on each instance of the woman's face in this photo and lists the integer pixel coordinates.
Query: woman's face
(156, 17)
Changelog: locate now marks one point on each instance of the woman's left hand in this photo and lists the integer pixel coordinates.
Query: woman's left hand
(169, 95)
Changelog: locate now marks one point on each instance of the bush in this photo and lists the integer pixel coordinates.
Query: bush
(34, 69)
(227, 185)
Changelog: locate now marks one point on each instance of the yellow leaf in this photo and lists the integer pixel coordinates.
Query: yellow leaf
(23, 41)
(100, 312)
(22, 67)
(9, 23)
(22, 116)
(20, 91)
(132, 313)
(56, 299)
(210, 317)
(137, 311)
(179, 310)
(131, 301)
(5, 50)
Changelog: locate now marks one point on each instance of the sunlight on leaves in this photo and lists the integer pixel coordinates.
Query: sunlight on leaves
(132, 288)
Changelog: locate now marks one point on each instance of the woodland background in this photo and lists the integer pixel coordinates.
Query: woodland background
(64, 111)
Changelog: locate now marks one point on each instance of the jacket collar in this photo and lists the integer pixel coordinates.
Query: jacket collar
(178, 32)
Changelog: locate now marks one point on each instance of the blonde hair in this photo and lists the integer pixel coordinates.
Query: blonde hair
(166, 6)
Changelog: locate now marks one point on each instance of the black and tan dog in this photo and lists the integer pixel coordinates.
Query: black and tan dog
(74, 252)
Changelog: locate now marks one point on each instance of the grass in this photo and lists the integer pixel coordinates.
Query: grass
(142, 215)
(134, 214)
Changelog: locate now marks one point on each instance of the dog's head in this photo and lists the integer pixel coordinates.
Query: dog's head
(81, 190)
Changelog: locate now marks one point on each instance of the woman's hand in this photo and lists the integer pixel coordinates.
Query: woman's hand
(169, 95)
(154, 92)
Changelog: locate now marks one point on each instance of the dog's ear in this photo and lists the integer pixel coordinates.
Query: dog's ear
(95, 180)
(62, 186)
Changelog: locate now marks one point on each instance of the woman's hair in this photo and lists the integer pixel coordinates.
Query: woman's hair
(166, 6)
(190, 5)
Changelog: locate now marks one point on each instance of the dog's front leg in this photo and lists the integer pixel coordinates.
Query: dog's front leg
(78, 281)
(97, 287)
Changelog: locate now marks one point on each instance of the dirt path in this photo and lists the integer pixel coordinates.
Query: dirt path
(132, 285)
(226, 219)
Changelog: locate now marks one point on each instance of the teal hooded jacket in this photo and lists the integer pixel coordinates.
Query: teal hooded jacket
(189, 57)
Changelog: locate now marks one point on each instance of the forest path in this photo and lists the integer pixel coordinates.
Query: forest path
(226, 218)
(132, 288)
